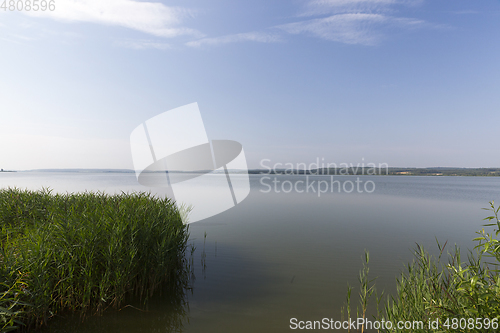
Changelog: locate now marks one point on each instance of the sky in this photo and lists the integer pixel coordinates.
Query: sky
(410, 83)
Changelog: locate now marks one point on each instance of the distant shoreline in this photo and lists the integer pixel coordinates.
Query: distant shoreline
(348, 171)
(391, 171)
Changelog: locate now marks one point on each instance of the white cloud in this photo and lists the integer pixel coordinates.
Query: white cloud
(318, 7)
(345, 28)
(358, 28)
(364, 22)
(150, 17)
(249, 36)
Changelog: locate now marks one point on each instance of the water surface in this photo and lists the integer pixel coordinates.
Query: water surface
(281, 255)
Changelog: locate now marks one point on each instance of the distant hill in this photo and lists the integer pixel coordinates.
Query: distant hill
(390, 171)
(125, 171)
(351, 170)
(84, 170)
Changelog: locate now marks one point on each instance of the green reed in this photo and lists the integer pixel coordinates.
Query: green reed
(12, 309)
(87, 251)
(439, 294)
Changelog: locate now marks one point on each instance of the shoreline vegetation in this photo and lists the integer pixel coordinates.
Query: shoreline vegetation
(341, 170)
(86, 252)
(437, 294)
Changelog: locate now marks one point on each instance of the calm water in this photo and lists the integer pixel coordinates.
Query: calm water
(281, 255)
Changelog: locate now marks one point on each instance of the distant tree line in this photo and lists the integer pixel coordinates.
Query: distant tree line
(392, 171)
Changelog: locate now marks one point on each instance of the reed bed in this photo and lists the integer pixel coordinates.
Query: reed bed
(443, 293)
(84, 252)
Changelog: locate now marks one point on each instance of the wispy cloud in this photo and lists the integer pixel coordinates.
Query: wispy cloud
(364, 22)
(324, 7)
(318, 7)
(149, 17)
(345, 28)
(359, 28)
(260, 37)
(143, 44)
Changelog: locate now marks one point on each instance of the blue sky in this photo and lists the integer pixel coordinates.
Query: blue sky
(408, 83)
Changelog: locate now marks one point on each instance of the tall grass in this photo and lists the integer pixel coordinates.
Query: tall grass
(12, 309)
(448, 296)
(87, 251)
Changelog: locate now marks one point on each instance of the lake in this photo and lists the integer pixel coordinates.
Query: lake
(277, 256)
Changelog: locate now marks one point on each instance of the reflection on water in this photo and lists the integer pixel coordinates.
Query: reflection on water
(301, 250)
(281, 255)
(165, 311)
